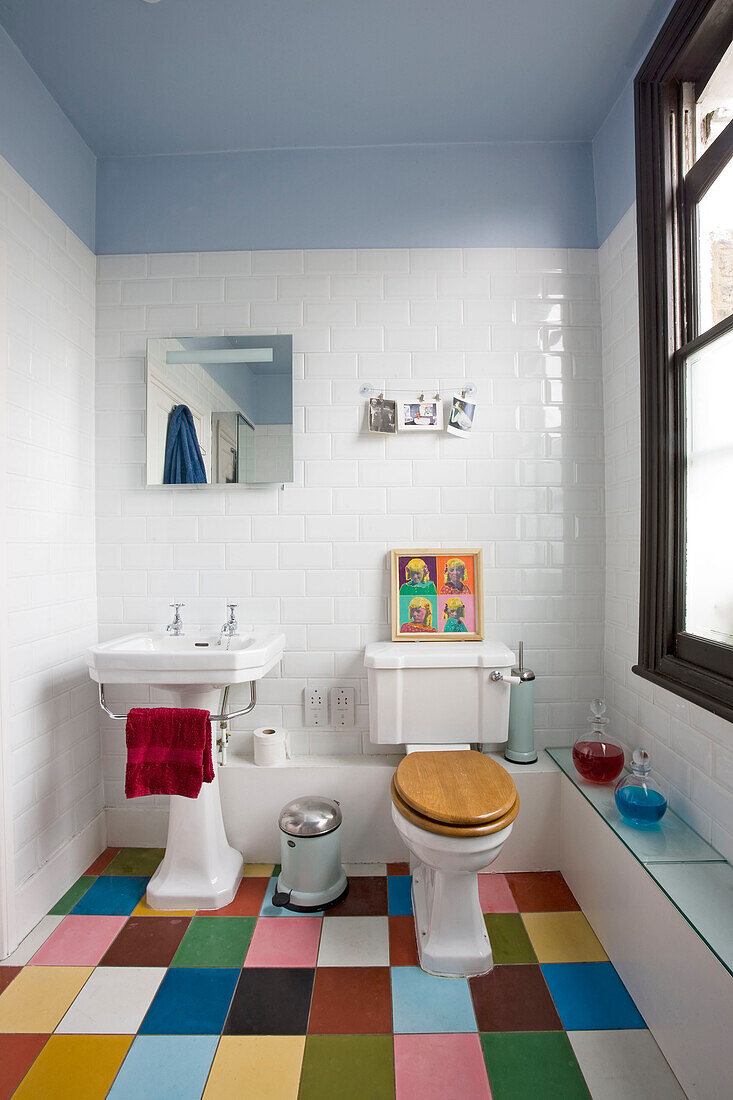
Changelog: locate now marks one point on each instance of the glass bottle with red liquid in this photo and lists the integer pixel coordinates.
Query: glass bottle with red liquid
(596, 758)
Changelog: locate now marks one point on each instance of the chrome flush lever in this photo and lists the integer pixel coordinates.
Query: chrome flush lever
(497, 676)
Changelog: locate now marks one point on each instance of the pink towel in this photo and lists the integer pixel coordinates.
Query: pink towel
(168, 751)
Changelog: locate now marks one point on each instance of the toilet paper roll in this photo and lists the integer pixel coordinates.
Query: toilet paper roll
(271, 746)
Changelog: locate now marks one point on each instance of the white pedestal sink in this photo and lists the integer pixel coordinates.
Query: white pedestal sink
(200, 869)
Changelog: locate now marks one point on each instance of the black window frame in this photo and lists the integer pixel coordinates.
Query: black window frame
(685, 53)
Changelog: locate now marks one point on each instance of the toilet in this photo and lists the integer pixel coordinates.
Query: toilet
(453, 807)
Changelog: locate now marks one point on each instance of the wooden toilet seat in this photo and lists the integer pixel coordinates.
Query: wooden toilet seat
(462, 793)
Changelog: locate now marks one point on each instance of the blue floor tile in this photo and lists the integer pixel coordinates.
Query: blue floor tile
(591, 997)
(270, 910)
(168, 1067)
(423, 1004)
(399, 889)
(191, 1002)
(112, 896)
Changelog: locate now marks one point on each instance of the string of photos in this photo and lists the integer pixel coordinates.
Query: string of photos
(418, 413)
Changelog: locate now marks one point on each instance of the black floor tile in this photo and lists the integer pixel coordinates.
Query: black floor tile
(269, 1001)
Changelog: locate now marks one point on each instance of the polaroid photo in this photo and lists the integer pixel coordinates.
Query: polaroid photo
(421, 416)
(382, 415)
(461, 416)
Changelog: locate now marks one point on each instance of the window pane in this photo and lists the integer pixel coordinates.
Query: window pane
(709, 397)
(715, 251)
(714, 108)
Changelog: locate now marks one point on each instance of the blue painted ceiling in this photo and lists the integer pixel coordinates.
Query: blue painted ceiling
(197, 76)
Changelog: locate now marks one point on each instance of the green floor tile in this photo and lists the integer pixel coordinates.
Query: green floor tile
(531, 1064)
(135, 861)
(509, 940)
(360, 1067)
(70, 898)
(215, 941)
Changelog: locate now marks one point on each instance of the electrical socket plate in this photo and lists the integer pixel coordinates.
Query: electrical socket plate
(316, 707)
(343, 705)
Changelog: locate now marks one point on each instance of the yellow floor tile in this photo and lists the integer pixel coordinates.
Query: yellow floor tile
(75, 1067)
(258, 870)
(252, 1066)
(563, 938)
(39, 997)
(142, 909)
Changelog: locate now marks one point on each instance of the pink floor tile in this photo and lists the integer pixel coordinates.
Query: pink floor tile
(78, 941)
(495, 895)
(440, 1067)
(279, 941)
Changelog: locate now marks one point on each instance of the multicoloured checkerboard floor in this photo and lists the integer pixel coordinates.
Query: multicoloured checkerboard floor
(109, 998)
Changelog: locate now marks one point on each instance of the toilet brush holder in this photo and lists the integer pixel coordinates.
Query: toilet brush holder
(520, 743)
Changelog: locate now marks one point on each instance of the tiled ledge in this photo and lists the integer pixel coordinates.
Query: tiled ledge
(696, 878)
(238, 759)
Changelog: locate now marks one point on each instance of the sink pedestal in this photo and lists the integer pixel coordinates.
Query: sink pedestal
(200, 869)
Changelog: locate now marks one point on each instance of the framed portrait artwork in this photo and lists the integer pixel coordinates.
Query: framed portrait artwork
(437, 595)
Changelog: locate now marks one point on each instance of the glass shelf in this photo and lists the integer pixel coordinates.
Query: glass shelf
(703, 893)
(696, 878)
(671, 841)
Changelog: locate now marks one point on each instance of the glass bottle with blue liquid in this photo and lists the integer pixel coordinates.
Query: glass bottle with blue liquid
(639, 798)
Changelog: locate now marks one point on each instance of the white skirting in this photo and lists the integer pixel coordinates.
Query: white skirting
(42, 890)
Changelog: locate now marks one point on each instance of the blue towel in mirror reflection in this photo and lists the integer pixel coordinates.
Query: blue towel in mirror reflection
(183, 462)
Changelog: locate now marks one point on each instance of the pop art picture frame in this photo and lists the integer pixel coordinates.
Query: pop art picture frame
(437, 595)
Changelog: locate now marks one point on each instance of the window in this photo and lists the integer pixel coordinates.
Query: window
(684, 156)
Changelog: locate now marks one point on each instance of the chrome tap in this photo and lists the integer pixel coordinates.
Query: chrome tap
(231, 627)
(176, 627)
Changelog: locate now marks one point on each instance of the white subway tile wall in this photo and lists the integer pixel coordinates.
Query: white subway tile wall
(691, 749)
(53, 726)
(527, 486)
(548, 485)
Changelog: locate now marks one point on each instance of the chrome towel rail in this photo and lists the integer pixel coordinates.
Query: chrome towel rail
(212, 718)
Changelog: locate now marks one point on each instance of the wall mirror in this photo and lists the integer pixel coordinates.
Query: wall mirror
(220, 410)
